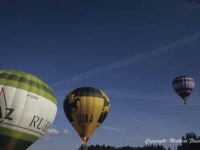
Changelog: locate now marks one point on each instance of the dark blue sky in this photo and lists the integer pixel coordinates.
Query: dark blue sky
(109, 44)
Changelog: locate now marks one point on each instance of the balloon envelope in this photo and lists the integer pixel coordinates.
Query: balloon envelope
(183, 86)
(86, 108)
(27, 109)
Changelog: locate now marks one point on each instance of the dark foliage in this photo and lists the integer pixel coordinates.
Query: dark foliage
(103, 147)
(190, 142)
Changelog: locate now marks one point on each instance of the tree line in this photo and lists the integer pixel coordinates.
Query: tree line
(188, 142)
(103, 147)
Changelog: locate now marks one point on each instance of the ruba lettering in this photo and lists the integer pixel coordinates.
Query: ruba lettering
(34, 121)
(40, 123)
(46, 126)
(85, 118)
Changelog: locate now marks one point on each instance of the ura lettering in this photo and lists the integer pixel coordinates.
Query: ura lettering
(85, 118)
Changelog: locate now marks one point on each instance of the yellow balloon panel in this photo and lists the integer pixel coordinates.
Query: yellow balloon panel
(86, 111)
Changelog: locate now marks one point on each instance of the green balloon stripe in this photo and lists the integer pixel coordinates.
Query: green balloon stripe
(19, 74)
(17, 134)
(14, 143)
(32, 82)
(37, 87)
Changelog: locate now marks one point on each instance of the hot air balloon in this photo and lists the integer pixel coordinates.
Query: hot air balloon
(27, 109)
(183, 86)
(86, 108)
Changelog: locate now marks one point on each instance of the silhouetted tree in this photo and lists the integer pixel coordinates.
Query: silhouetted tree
(190, 142)
(83, 147)
(148, 147)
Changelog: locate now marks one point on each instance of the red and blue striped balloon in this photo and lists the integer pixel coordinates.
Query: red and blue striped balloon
(183, 86)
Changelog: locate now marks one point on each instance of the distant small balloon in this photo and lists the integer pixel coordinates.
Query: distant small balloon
(86, 108)
(183, 86)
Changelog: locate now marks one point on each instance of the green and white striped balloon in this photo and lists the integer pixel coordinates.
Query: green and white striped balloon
(27, 109)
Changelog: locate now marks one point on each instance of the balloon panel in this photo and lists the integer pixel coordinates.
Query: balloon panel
(27, 109)
(86, 108)
(183, 86)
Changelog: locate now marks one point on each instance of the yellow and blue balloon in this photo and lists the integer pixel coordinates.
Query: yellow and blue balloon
(86, 108)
